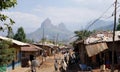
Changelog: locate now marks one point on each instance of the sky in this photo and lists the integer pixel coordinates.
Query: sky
(75, 14)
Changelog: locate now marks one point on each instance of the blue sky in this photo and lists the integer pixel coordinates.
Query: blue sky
(74, 13)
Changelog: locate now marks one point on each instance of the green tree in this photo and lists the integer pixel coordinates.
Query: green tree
(7, 53)
(82, 34)
(20, 35)
(6, 4)
(10, 33)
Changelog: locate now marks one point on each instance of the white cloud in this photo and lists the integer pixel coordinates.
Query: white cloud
(68, 15)
(93, 1)
(94, 4)
(78, 0)
(26, 20)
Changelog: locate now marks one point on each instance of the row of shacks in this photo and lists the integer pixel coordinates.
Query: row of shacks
(96, 50)
(25, 51)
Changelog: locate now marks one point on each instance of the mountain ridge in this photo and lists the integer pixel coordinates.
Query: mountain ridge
(101, 25)
(50, 31)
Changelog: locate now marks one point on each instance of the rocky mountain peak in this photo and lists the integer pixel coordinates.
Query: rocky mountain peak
(62, 26)
(50, 30)
(46, 22)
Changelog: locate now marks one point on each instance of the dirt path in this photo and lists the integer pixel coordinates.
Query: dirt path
(47, 66)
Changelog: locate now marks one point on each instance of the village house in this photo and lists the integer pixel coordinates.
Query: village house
(48, 49)
(97, 49)
(28, 52)
(17, 59)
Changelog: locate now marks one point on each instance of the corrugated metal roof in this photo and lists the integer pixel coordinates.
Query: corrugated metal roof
(13, 41)
(107, 37)
(94, 49)
(48, 45)
(96, 43)
(30, 48)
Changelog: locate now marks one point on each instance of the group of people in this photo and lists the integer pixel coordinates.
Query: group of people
(62, 61)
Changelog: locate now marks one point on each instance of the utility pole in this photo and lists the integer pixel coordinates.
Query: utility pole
(43, 43)
(57, 39)
(43, 36)
(113, 49)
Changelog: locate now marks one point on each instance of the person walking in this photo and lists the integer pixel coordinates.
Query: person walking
(35, 63)
(65, 56)
(56, 65)
(64, 66)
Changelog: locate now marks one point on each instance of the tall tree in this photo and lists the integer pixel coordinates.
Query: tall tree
(20, 35)
(7, 54)
(82, 34)
(6, 4)
(10, 33)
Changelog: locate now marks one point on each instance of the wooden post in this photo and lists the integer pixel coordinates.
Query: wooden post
(113, 48)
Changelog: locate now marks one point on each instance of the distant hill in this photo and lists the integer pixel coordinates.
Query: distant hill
(102, 25)
(104, 28)
(51, 32)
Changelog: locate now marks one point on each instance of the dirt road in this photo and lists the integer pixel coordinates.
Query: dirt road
(47, 66)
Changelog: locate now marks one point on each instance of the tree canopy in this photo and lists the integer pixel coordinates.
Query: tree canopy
(7, 54)
(20, 35)
(5, 4)
(82, 34)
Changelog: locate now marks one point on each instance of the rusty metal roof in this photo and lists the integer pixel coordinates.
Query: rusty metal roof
(105, 37)
(94, 49)
(30, 48)
(14, 41)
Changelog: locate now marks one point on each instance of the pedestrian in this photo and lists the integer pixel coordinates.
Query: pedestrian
(29, 63)
(56, 65)
(67, 57)
(35, 63)
(31, 57)
(45, 55)
(64, 66)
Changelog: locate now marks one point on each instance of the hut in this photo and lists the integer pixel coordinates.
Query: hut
(97, 49)
(28, 52)
(47, 48)
(16, 62)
